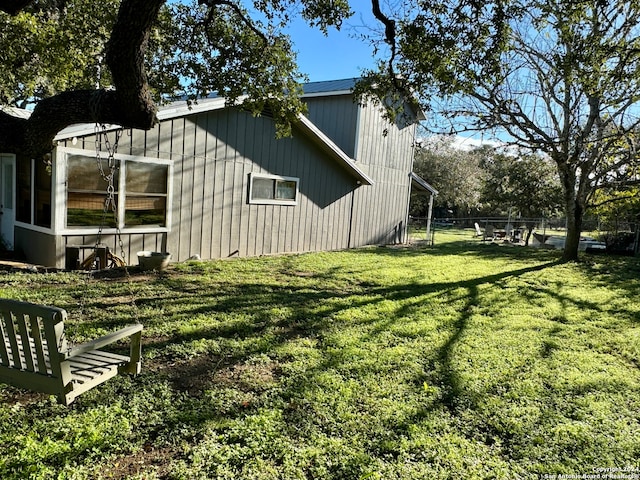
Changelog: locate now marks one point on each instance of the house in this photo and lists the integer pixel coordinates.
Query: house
(214, 181)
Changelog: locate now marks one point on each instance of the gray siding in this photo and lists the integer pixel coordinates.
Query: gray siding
(385, 151)
(337, 117)
(213, 154)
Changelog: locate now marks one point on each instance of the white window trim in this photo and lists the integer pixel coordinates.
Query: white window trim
(275, 201)
(60, 195)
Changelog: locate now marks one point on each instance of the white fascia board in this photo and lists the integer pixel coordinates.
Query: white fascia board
(181, 109)
(168, 112)
(308, 127)
(327, 94)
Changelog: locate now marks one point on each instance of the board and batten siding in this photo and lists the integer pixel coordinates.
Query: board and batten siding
(384, 151)
(213, 154)
(337, 117)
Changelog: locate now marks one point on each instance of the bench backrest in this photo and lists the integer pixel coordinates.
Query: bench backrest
(31, 337)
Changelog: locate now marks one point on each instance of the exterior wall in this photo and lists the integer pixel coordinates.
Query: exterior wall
(337, 117)
(213, 154)
(384, 151)
(38, 247)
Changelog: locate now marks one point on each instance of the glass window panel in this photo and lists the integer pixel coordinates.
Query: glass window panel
(146, 178)
(286, 190)
(263, 188)
(87, 210)
(145, 210)
(146, 186)
(83, 174)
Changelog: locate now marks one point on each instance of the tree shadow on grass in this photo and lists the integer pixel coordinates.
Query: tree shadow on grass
(229, 339)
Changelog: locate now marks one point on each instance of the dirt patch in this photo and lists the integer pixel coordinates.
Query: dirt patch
(204, 372)
(248, 377)
(149, 459)
(134, 274)
(14, 396)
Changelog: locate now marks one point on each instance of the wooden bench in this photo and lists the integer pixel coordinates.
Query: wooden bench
(34, 353)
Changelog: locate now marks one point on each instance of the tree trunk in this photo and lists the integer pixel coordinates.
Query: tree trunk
(575, 213)
(129, 105)
(574, 210)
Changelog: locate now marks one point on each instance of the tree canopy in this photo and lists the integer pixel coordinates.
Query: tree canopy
(82, 61)
(487, 181)
(455, 173)
(560, 77)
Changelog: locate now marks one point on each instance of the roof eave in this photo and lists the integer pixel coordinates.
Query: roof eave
(423, 184)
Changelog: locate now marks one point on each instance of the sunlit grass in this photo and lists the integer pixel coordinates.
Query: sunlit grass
(462, 360)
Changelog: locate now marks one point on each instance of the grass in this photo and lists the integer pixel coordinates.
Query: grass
(462, 361)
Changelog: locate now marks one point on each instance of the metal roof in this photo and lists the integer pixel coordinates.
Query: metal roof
(343, 86)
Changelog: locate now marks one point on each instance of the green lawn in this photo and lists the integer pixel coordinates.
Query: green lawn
(461, 361)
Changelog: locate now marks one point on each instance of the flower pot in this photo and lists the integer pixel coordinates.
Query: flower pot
(153, 260)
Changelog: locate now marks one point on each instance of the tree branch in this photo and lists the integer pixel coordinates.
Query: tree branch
(130, 104)
(390, 39)
(237, 10)
(12, 7)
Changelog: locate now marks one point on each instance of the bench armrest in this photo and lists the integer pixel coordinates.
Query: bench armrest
(108, 339)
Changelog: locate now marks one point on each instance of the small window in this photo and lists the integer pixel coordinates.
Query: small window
(272, 189)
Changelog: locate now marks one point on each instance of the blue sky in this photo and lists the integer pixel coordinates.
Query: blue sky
(341, 55)
(336, 56)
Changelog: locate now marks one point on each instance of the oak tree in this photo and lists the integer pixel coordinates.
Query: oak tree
(558, 77)
(114, 61)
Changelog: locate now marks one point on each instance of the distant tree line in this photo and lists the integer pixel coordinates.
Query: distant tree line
(486, 181)
(489, 181)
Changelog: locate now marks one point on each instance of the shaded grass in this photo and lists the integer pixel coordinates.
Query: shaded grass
(465, 360)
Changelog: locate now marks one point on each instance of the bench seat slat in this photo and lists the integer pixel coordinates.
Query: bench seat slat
(39, 346)
(4, 338)
(42, 365)
(93, 364)
(14, 349)
(25, 353)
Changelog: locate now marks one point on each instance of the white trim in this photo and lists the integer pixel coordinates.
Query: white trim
(117, 156)
(9, 220)
(168, 112)
(77, 231)
(58, 191)
(422, 183)
(35, 228)
(178, 109)
(327, 94)
(274, 201)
